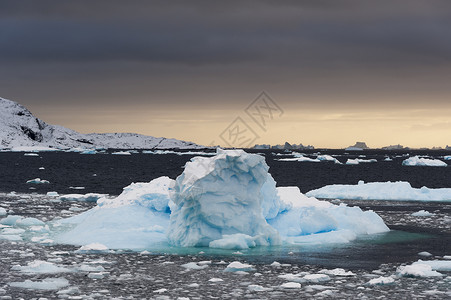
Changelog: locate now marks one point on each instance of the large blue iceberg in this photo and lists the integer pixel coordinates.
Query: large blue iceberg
(227, 201)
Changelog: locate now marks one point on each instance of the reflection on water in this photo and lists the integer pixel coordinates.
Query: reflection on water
(366, 252)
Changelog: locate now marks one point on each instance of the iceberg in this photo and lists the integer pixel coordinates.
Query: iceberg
(220, 196)
(228, 201)
(424, 162)
(394, 191)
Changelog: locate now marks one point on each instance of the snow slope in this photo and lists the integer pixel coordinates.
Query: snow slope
(19, 128)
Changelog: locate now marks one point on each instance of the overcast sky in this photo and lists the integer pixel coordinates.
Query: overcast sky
(341, 71)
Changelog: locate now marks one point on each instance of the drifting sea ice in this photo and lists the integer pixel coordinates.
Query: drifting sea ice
(90, 197)
(40, 267)
(227, 201)
(45, 284)
(396, 191)
(425, 162)
(38, 181)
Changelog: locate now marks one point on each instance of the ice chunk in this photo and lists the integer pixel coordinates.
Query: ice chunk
(359, 160)
(2, 211)
(238, 266)
(10, 237)
(93, 248)
(301, 158)
(337, 272)
(425, 254)
(193, 266)
(45, 284)
(52, 194)
(396, 191)
(90, 197)
(258, 288)
(326, 157)
(121, 153)
(290, 285)
(10, 220)
(220, 196)
(381, 281)
(417, 270)
(422, 213)
(40, 267)
(436, 265)
(31, 154)
(38, 181)
(29, 222)
(315, 278)
(424, 162)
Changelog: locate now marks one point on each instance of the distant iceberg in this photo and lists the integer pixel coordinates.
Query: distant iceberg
(424, 162)
(395, 191)
(227, 201)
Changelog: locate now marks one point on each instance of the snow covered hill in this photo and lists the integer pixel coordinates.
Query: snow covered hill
(18, 128)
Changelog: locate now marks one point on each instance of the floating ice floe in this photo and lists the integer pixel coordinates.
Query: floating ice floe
(436, 265)
(2, 212)
(31, 154)
(417, 270)
(237, 266)
(40, 267)
(93, 248)
(301, 158)
(424, 162)
(381, 281)
(38, 181)
(121, 153)
(90, 197)
(359, 160)
(177, 152)
(227, 201)
(396, 191)
(88, 151)
(45, 284)
(422, 213)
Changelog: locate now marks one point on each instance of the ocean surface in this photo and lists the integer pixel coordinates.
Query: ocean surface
(105, 173)
(161, 275)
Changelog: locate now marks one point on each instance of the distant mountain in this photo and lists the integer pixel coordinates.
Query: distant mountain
(18, 128)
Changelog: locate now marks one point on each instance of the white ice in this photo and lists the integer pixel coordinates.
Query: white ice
(38, 181)
(422, 213)
(396, 191)
(45, 284)
(121, 153)
(228, 201)
(90, 197)
(425, 162)
(40, 267)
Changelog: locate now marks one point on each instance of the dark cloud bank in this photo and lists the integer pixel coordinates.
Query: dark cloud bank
(222, 53)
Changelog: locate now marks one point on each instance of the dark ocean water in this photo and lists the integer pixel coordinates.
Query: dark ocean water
(105, 173)
(160, 275)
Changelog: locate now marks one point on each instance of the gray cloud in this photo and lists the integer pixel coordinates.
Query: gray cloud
(202, 52)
